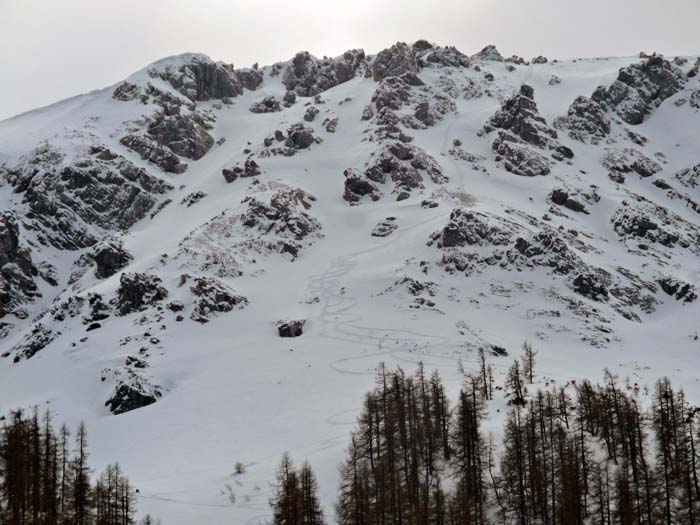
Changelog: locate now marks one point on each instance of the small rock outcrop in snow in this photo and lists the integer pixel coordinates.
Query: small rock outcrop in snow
(137, 291)
(640, 88)
(291, 328)
(110, 257)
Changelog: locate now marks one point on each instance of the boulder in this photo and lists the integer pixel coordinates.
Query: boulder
(110, 257)
(290, 328)
(385, 227)
(127, 397)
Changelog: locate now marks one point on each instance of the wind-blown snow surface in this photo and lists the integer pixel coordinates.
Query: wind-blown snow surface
(232, 389)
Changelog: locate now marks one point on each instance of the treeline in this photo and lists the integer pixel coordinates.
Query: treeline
(45, 477)
(582, 454)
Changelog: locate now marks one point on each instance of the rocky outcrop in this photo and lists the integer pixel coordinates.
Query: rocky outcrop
(628, 160)
(518, 159)
(291, 328)
(66, 198)
(308, 76)
(284, 217)
(132, 394)
(250, 169)
(587, 120)
(38, 338)
(631, 223)
(17, 270)
(184, 135)
(689, 177)
(562, 198)
(193, 198)
(428, 54)
(299, 136)
(385, 227)
(589, 285)
(212, 297)
(394, 61)
(406, 166)
(310, 113)
(519, 126)
(168, 136)
(109, 256)
(137, 291)
(641, 88)
(150, 150)
(267, 105)
(489, 53)
(520, 117)
(469, 228)
(358, 185)
(200, 78)
(678, 289)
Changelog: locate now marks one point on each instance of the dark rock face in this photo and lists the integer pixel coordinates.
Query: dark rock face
(358, 185)
(681, 290)
(16, 268)
(290, 328)
(150, 150)
(640, 88)
(468, 228)
(519, 124)
(308, 76)
(137, 291)
(395, 61)
(588, 285)
(267, 105)
(204, 79)
(385, 228)
(130, 397)
(212, 296)
(185, 135)
(540, 60)
(110, 257)
(63, 200)
(587, 120)
(562, 198)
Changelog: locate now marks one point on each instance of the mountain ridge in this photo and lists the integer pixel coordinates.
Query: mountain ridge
(414, 205)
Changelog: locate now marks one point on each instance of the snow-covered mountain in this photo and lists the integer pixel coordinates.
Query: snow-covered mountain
(207, 264)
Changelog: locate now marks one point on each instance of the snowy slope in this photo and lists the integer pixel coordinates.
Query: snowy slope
(231, 389)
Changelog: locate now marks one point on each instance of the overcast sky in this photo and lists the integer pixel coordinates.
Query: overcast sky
(53, 49)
